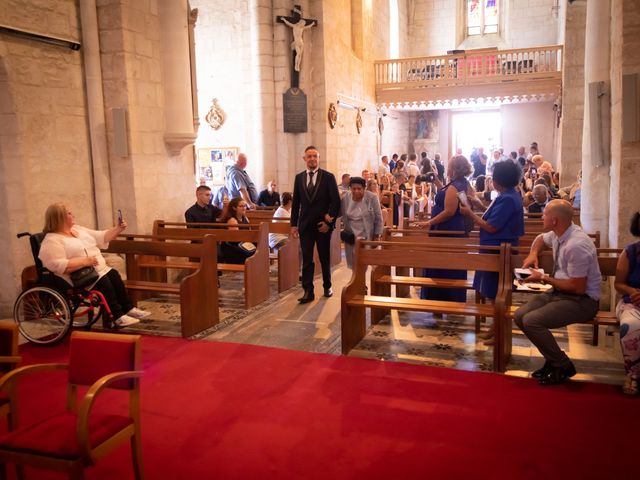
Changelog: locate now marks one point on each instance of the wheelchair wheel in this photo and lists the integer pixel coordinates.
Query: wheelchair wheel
(43, 315)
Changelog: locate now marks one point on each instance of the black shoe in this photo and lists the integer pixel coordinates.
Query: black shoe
(307, 297)
(558, 375)
(328, 292)
(541, 372)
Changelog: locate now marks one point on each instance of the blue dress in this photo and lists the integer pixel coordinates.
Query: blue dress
(506, 215)
(456, 223)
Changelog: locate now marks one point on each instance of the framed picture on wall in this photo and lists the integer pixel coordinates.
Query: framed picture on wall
(212, 162)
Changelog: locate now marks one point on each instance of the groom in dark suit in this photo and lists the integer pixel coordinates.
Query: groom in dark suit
(316, 205)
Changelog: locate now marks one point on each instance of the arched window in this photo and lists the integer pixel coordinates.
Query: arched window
(394, 30)
(482, 17)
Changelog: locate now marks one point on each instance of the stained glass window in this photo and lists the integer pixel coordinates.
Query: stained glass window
(482, 16)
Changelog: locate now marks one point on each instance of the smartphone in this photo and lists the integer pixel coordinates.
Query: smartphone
(120, 217)
(462, 196)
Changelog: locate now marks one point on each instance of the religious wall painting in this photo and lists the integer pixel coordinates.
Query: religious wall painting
(212, 162)
(427, 126)
(215, 116)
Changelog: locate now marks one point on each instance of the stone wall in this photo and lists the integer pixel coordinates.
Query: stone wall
(438, 25)
(44, 146)
(625, 156)
(223, 42)
(150, 183)
(350, 79)
(530, 122)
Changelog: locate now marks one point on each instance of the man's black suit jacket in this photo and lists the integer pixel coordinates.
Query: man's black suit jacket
(309, 208)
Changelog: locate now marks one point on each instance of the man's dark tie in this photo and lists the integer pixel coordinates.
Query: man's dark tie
(310, 184)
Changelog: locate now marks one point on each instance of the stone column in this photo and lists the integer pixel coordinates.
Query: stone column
(262, 69)
(595, 165)
(178, 115)
(570, 158)
(96, 115)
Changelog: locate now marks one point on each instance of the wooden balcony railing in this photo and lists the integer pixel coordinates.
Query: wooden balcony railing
(471, 68)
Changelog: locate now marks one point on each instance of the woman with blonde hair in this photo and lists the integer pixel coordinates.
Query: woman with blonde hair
(68, 247)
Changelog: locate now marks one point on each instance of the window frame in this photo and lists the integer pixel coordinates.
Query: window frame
(483, 26)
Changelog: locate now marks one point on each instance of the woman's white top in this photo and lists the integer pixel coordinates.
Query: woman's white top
(57, 249)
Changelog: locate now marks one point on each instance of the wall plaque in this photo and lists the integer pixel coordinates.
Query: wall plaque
(294, 102)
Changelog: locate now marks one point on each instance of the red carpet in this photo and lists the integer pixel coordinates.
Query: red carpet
(229, 411)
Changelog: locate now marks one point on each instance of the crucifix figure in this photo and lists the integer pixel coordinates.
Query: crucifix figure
(298, 25)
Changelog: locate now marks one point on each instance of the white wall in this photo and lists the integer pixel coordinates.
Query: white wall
(436, 26)
(528, 122)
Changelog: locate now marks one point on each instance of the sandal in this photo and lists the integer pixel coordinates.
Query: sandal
(630, 386)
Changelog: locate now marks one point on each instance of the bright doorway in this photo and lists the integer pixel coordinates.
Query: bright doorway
(476, 129)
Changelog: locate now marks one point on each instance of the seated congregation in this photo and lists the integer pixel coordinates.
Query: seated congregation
(452, 231)
(481, 218)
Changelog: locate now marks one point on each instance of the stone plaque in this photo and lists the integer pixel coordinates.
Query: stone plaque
(294, 103)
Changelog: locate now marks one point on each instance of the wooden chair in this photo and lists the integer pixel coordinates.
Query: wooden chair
(8, 360)
(74, 439)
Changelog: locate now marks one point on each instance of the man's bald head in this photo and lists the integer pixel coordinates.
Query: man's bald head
(560, 209)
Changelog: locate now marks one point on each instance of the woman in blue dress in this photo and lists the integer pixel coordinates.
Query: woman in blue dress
(446, 215)
(503, 222)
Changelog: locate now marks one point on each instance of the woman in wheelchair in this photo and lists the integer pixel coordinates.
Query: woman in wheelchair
(68, 247)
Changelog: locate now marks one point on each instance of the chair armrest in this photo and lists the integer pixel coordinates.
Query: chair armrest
(29, 369)
(10, 359)
(84, 411)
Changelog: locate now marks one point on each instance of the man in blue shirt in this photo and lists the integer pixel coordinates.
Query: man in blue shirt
(239, 184)
(576, 289)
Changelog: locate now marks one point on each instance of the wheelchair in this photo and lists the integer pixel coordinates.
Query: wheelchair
(47, 309)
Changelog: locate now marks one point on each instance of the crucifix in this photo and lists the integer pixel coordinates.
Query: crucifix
(298, 25)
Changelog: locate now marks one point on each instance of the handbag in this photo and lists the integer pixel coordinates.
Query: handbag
(84, 277)
(247, 247)
(347, 237)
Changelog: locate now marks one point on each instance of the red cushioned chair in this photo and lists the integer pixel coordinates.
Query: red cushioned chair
(75, 438)
(8, 360)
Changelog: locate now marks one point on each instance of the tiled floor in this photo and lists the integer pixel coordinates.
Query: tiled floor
(407, 337)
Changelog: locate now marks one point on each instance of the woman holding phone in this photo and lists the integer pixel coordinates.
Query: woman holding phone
(503, 222)
(68, 247)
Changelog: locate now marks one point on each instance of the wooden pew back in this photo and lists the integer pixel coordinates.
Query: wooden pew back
(198, 291)
(256, 267)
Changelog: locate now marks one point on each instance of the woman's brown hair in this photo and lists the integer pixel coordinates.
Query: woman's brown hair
(231, 211)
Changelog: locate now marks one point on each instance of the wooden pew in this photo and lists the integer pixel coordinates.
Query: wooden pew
(287, 257)
(255, 268)
(402, 279)
(198, 291)
(355, 300)
(607, 261)
(257, 216)
(526, 240)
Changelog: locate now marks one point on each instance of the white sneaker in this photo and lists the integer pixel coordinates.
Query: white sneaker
(126, 320)
(137, 313)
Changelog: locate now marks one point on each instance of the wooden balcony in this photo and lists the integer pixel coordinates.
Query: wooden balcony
(486, 73)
